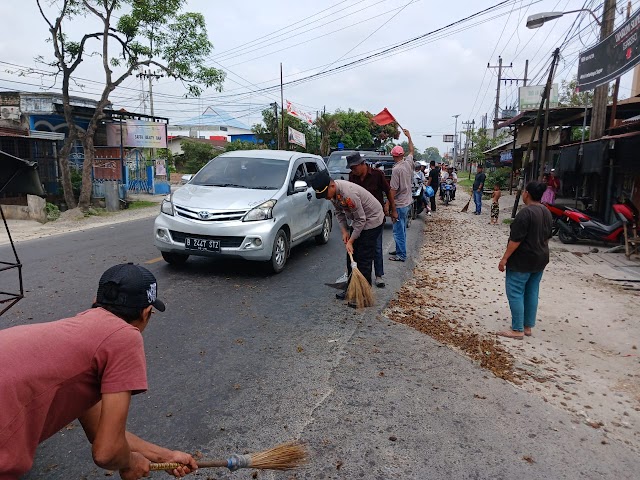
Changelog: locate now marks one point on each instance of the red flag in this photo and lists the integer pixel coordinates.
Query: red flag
(384, 118)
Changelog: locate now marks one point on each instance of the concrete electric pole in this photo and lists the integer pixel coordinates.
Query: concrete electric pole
(496, 113)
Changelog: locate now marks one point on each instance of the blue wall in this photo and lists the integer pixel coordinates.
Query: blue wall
(247, 137)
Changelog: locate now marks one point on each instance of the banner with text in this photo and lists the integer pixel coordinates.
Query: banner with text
(297, 137)
(294, 111)
(137, 134)
(612, 57)
(529, 97)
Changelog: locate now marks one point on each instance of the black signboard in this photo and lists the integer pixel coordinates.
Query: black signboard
(609, 59)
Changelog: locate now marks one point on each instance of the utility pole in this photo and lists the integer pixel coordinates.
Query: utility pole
(455, 140)
(284, 138)
(469, 126)
(150, 76)
(543, 101)
(276, 129)
(496, 112)
(601, 93)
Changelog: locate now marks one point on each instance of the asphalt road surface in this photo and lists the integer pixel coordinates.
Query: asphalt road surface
(243, 360)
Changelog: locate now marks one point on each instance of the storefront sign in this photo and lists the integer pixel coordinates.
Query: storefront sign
(530, 97)
(611, 58)
(137, 133)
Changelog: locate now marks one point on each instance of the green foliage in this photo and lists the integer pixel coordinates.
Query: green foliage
(76, 182)
(157, 34)
(481, 142)
(499, 176)
(241, 145)
(52, 211)
(197, 154)
(136, 204)
(431, 153)
(269, 131)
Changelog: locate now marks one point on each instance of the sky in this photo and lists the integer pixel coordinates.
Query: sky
(423, 84)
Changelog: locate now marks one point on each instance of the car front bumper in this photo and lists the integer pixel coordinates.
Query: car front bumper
(248, 240)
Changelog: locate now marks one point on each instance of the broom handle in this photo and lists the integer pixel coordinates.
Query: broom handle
(172, 465)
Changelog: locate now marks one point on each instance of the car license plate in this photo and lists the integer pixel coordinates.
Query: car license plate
(201, 244)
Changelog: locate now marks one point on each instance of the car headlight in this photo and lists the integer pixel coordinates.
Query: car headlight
(167, 206)
(261, 212)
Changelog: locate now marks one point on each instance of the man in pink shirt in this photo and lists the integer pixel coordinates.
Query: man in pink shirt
(86, 368)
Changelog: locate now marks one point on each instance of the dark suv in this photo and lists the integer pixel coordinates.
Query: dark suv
(337, 162)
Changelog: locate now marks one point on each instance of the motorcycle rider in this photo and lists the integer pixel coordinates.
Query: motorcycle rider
(418, 183)
(450, 173)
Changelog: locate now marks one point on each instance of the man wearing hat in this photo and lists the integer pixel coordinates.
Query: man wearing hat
(374, 182)
(401, 182)
(85, 367)
(354, 203)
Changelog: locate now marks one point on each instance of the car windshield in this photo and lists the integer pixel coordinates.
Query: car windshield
(243, 172)
(338, 161)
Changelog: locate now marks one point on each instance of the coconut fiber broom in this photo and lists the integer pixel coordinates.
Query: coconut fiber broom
(359, 290)
(282, 457)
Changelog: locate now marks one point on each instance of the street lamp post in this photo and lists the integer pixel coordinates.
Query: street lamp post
(600, 94)
(455, 141)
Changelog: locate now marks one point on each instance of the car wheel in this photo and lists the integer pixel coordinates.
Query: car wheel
(174, 258)
(279, 252)
(323, 237)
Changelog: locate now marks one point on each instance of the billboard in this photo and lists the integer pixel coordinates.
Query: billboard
(447, 138)
(137, 134)
(297, 137)
(529, 97)
(612, 57)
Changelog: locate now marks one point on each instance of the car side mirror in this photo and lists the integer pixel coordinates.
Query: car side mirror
(300, 186)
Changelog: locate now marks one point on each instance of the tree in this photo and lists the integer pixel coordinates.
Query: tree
(269, 130)
(196, 154)
(326, 124)
(481, 143)
(146, 33)
(432, 153)
(357, 130)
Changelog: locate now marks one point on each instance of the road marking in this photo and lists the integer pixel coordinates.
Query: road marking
(153, 260)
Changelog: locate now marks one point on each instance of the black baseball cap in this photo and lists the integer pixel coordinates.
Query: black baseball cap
(320, 183)
(129, 285)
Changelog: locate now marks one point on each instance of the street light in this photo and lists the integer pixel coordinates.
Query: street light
(455, 140)
(539, 19)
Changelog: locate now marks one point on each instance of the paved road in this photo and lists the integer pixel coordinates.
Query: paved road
(243, 359)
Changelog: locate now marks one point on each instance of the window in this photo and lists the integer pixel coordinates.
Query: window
(224, 129)
(312, 167)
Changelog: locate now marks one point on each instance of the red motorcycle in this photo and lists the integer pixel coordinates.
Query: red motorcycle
(574, 225)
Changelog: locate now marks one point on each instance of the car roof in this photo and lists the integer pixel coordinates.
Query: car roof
(270, 154)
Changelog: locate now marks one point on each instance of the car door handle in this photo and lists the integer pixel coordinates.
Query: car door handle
(309, 196)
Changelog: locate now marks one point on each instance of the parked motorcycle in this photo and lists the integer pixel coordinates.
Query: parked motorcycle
(576, 225)
(448, 188)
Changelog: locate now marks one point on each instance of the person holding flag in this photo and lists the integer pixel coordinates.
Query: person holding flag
(401, 182)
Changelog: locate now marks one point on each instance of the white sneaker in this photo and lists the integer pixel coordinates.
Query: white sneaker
(343, 278)
(429, 214)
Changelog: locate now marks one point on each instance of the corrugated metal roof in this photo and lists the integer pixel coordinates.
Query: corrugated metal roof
(213, 117)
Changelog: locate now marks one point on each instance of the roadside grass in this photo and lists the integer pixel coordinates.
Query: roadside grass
(141, 204)
(466, 182)
(507, 221)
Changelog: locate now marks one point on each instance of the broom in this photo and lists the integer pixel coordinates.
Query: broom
(359, 290)
(281, 457)
(466, 207)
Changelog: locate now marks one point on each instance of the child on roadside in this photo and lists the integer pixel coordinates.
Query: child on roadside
(495, 204)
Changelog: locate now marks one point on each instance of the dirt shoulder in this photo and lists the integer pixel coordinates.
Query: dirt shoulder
(583, 356)
(74, 221)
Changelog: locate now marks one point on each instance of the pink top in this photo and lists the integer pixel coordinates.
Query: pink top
(51, 373)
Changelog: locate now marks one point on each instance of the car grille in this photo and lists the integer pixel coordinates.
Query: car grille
(228, 242)
(193, 214)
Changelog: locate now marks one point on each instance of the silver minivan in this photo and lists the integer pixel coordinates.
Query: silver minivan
(251, 204)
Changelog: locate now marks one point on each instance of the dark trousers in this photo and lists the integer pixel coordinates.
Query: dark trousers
(433, 199)
(364, 251)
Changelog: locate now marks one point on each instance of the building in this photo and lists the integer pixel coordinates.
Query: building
(213, 124)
